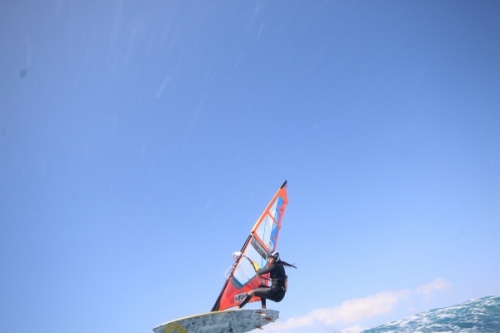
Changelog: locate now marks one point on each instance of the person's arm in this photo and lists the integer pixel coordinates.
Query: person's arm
(266, 269)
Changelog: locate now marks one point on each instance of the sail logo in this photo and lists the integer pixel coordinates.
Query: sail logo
(259, 248)
(239, 297)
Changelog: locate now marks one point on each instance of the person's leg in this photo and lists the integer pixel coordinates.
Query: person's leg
(277, 295)
(263, 303)
(263, 292)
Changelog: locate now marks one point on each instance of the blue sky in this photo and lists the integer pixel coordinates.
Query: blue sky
(140, 141)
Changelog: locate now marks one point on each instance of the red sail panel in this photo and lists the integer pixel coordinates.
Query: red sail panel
(262, 241)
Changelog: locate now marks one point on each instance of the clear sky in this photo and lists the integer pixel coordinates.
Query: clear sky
(140, 141)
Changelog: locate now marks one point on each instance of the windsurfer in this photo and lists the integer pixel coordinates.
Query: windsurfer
(275, 268)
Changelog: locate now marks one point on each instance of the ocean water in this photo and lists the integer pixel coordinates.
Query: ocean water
(477, 315)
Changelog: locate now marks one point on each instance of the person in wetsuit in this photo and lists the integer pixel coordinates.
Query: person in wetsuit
(277, 275)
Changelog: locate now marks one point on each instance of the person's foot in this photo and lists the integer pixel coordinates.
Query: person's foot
(245, 300)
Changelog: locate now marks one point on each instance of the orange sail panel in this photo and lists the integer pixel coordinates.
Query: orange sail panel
(261, 242)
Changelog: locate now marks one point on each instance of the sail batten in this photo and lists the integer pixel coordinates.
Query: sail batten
(262, 240)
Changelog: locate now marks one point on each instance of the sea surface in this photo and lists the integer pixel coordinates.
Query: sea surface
(477, 315)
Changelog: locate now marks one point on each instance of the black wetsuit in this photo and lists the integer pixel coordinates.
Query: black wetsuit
(278, 287)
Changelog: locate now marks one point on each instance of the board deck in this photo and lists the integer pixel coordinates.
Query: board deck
(229, 321)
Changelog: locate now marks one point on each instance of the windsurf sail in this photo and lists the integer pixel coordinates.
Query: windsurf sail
(262, 241)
